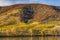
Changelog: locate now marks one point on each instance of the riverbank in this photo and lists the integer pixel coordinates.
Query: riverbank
(32, 29)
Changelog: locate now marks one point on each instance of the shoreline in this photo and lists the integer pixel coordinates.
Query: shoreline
(30, 36)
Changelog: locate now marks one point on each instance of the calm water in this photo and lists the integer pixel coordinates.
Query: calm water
(31, 38)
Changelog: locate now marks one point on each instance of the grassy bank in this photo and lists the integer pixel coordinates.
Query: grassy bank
(30, 28)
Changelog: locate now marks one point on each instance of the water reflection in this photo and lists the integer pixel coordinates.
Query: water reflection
(31, 38)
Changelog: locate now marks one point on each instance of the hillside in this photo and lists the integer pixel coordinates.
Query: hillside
(30, 17)
(41, 12)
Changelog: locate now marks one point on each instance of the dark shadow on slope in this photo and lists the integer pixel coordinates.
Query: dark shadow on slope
(56, 8)
(27, 14)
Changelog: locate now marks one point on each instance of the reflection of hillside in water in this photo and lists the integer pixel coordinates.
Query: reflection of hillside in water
(31, 38)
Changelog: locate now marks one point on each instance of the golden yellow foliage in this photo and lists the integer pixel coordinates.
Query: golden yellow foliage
(14, 26)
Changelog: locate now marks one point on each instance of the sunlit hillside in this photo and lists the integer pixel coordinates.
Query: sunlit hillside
(45, 20)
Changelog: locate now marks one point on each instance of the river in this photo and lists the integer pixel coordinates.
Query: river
(31, 38)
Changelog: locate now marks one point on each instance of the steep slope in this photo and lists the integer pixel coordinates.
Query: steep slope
(31, 19)
(41, 12)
